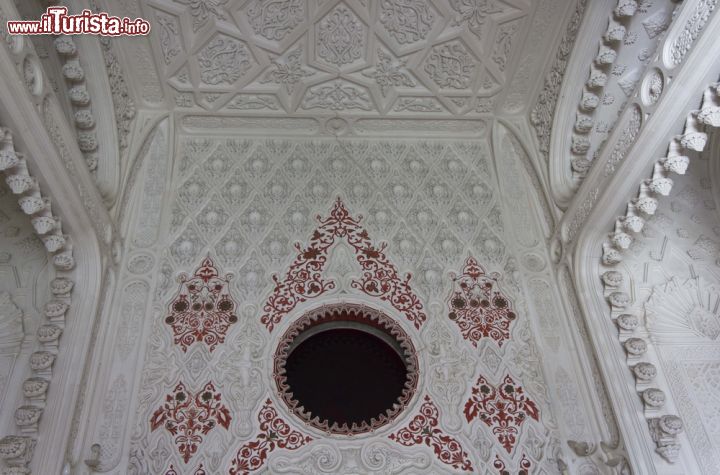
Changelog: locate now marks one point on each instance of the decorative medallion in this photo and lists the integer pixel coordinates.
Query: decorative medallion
(288, 71)
(450, 65)
(389, 72)
(423, 429)
(341, 37)
(407, 21)
(503, 408)
(202, 10)
(304, 279)
(274, 433)
(478, 307)
(360, 340)
(224, 60)
(274, 19)
(203, 309)
(474, 13)
(189, 416)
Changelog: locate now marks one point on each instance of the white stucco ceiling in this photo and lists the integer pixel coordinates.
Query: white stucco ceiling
(389, 58)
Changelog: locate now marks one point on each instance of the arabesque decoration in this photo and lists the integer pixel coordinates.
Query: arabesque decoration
(503, 408)
(189, 416)
(203, 309)
(423, 429)
(478, 307)
(525, 466)
(304, 279)
(274, 433)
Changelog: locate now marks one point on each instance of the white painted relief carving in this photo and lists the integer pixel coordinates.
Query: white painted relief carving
(203, 10)
(275, 19)
(337, 95)
(389, 72)
(473, 13)
(450, 66)
(223, 60)
(407, 21)
(341, 37)
(287, 71)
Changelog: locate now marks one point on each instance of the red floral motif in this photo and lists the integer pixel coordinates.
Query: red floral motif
(202, 311)
(200, 470)
(188, 417)
(525, 466)
(478, 307)
(504, 409)
(423, 429)
(304, 280)
(274, 433)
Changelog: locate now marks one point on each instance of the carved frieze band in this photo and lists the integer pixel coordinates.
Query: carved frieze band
(642, 86)
(16, 450)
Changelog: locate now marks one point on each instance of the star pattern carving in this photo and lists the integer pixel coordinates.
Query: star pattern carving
(287, 49)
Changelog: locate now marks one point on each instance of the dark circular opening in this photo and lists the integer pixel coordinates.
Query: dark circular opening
(346, 369)
(345, 375)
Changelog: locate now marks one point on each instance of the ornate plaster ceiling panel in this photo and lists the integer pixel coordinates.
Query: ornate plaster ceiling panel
(395, 58)
(400, 237)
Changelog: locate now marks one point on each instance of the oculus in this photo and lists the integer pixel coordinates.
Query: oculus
(346, 368)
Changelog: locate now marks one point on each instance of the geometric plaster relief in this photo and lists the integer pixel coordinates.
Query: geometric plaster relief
(275, 20)
(32, 238)
(684, 310)
(246, 201)
(624, 55)
(693, 139)
(450, 66)
(337, 95)
(408, 21)
(153, 187)
(374, 457)
(203, 11)
(223, 60)
(11, 325)
(341, 37)
(475, 13)
(390, 71)
(439, 44)
(287, 70)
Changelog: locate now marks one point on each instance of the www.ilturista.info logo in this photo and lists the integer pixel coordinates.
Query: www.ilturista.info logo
(56, 21)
